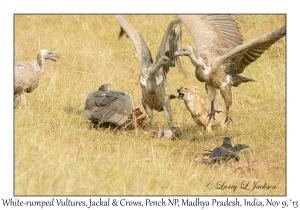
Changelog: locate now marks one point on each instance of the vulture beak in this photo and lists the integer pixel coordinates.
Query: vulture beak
(52, 55)
(177, 53)
(171, 63)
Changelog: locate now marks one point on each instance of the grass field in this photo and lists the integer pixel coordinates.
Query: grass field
(55, 152)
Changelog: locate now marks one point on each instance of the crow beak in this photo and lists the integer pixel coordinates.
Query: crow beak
(245, 146)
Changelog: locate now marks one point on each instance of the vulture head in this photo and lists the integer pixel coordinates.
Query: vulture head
(185, 51)
(46, 54)
(166, 61)
(106, 87)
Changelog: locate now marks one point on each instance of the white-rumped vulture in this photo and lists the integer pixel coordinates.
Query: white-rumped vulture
(153, 74)
(220, 56)
(27, 75)
(107, 106)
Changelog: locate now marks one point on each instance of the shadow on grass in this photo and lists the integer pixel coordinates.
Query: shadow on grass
(191, 133)
(70, 109)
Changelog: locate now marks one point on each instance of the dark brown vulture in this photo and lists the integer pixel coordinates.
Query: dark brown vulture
(220, 56)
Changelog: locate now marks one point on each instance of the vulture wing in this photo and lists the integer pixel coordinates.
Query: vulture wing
(213, 35)
(242, 56)
(139, 43)
(26, 77)
(170, 43)
(113, 107)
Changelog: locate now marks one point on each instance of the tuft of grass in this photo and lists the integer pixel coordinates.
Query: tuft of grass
(56, 153)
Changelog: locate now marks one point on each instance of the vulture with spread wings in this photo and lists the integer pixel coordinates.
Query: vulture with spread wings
(221, 56)
(153, 74)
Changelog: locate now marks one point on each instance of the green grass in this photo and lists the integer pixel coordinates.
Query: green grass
(57, 154)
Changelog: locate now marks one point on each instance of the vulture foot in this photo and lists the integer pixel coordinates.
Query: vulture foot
(212, 115)
(228, 118)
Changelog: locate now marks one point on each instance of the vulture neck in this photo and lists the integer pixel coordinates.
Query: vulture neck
(42, 63)
(155, 68)
(197, 62)
(202, 71)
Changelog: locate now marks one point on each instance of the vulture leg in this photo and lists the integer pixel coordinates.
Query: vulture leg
(211, 92)
(227, 115)
(23, 99)
(212, 112)
(227, 96)
(19, 100)
(149, 112)
(168, 111)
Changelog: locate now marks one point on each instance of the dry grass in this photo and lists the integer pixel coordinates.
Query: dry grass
(57, 154)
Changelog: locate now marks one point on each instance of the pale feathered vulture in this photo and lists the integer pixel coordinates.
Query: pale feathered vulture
(153, 74)
(107, 106)
(220, 56)
(27, 75)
